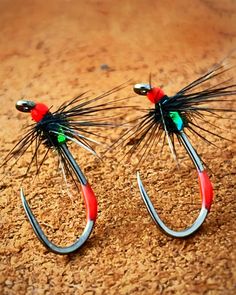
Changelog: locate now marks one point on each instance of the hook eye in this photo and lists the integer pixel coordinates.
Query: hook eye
(142, 89)
(25, 105)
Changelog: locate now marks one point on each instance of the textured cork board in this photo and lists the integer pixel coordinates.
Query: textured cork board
(53, 50)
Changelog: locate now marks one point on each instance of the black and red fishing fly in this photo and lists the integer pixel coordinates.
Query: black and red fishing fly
(170, 116)
(75, 121)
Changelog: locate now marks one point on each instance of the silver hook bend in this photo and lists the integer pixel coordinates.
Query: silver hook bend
(91, 211)
(205, 189)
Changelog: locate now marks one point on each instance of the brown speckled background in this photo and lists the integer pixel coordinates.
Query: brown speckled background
(52, 51)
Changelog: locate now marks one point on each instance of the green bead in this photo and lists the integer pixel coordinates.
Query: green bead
(61, 137)
(177, 120)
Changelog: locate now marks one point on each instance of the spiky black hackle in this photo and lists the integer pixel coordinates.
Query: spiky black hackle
(77, 120)
(193, 103)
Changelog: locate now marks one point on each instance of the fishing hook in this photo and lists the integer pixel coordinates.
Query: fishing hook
(205, 185)
(88, 195)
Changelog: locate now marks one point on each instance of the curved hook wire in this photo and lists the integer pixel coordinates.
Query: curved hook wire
(206, 191)
(91, 210)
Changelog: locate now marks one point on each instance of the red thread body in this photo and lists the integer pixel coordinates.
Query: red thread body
(90, 202)
(206, 189)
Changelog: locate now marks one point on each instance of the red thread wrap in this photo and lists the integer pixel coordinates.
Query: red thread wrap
(90, 202)
(206, 189)
(155, 94)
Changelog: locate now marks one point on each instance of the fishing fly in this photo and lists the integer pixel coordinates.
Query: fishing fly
(172, 116)
(53, 131)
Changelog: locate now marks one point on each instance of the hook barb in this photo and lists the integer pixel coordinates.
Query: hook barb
(206, 191)
(91, 211)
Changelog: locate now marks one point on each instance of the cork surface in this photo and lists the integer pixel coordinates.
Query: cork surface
(51, 51)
